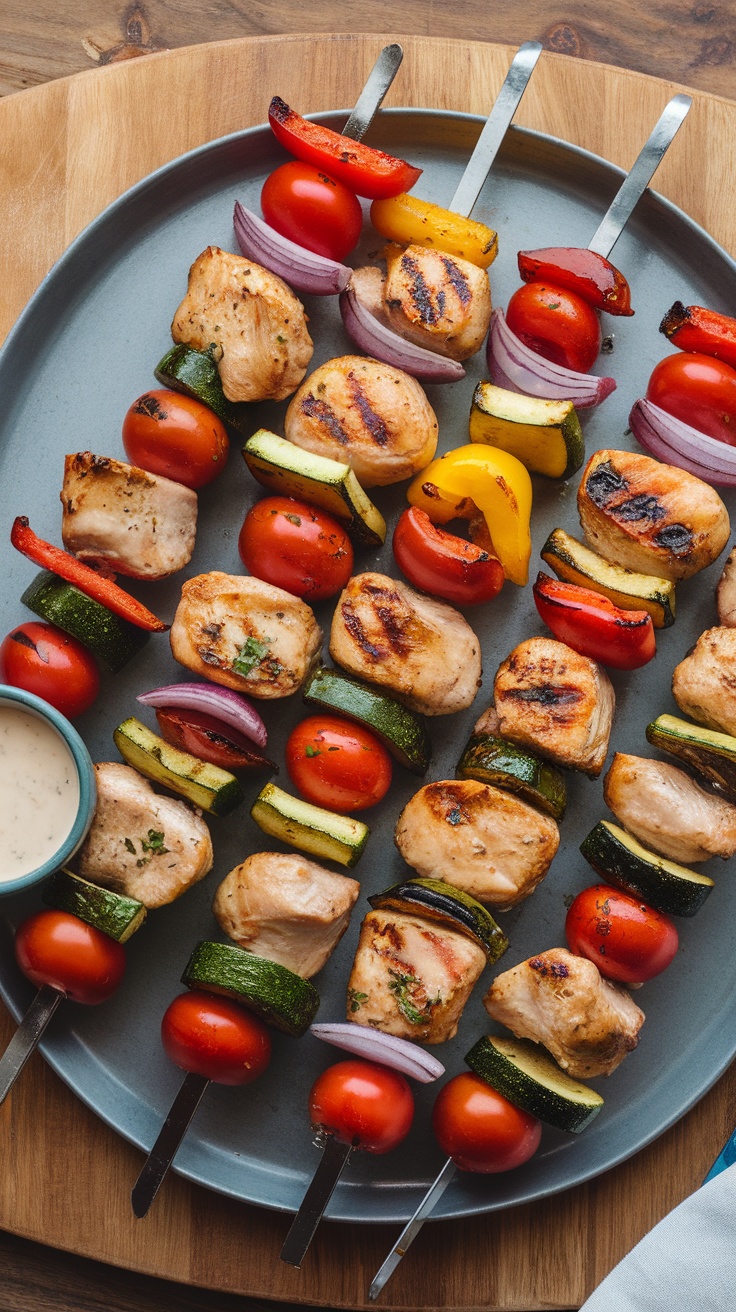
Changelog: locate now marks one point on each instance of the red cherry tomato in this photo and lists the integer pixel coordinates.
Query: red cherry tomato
(215, 1037)
(338, 765)
(442, 563)
(312, 209)
(296, 547)
(364, 1104)
(53, 665)
(480, 1129)
(699, 390)
(175, 436)
(627, 941)
(55, 948)
(558, 324)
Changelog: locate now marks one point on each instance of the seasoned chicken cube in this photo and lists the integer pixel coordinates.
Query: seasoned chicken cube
(254, 322)
(485, 841)
(245, 634)
(563, 1002)
(667, 811)
(419, 648)
(368, 415)
(286, 909)
(437, 300)
(557, 702)
(141, 844)
(138, 523)
(726, 592)
(411, 977)
(704, 683)
(369, 284)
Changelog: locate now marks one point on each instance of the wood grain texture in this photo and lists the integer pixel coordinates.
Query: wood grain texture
(78, 143)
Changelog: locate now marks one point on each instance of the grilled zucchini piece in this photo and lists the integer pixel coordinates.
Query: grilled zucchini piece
(712, 753)
(663, 884)
(205, 785)
(544, 435)
(195, 374)
(308, 827)
(435, 900)
(495, 761)
(403, 732)
(112, 913)
(272, 991)
(575, 563)
(533, 1081)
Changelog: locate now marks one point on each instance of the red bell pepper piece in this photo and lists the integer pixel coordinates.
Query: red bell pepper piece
(592, 276)
(703, 331)
(74, 571)
(591, 624)
(443, 564)
(208, 738)
(365, 171)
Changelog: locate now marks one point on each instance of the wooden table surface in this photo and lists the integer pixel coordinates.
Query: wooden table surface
(691, 41)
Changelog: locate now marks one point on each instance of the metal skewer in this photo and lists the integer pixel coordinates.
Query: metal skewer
(412, 1228)
(304, 1226)
(27, 1036)
(165, 1148)
(371, 97)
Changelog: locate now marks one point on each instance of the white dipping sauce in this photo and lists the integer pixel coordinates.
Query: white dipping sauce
(39, 791)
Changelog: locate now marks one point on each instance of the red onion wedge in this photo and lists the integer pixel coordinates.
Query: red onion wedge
(382, 343)
(300, 268)
(399, 1054)
(515, 366)
(223, 703)
(678, 443)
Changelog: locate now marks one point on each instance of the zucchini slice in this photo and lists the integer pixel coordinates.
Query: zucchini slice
(712, 753)
(530, 1078)
(663, 884)
(544, 435)
(273, 992)
(113, 640)
(403, 732)
(195, 374)
(575, 563)
(495, 761)
(112, 913)
(287, 470)
(310, 828)
(205, 785)
(434, 900)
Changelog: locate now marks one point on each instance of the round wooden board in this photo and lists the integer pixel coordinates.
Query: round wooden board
(76, 145)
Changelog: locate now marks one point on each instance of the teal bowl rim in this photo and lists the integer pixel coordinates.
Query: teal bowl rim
(87, 786)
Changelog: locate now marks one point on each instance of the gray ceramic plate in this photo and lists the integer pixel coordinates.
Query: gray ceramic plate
(82, 351)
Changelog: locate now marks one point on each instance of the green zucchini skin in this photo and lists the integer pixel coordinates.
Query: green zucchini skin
(663, 884)
(195, 374)
(275, 993)
(403, 732)
(205, 785)
(495, 761)
(435, 900)
(712, 753)
(310, 828)
(114, 914)
(530, 1079)
(113, 640)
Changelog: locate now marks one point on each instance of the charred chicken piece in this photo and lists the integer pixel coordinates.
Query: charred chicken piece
(562, 1001)
(667, 811)
(726, 593)
(704, 683)
(437, 300)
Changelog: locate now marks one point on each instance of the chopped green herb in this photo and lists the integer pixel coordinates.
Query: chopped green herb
(280, 339)
(356, 999)
(130, 845)
(251, 654)
(402, 986)
(155, 842)
(309, 750)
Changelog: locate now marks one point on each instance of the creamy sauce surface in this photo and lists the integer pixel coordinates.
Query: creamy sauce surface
(39, 791)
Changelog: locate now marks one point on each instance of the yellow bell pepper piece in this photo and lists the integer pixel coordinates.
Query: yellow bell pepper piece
(494, 482)
(410, 221)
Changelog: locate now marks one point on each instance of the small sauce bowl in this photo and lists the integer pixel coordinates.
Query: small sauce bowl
(19, 699)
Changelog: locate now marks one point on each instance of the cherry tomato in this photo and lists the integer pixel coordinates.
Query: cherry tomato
(442, 563)
(559, 325)
(55, 948)
(364, 1104)
(480, 1129)
(296, 547)
(338, 765)
(699, 390)
(627, 940)
(175, 436)
(215, 1037)
(53, 665)
(312, 209)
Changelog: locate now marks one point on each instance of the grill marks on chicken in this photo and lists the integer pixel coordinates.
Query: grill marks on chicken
(437, 300)
(704, 683)
(419, 648)
(562, 1001)
(667, 811)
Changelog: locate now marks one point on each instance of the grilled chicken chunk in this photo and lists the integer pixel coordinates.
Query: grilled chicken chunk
(667, 811)
(651, 517)
(485, 841)
(704, 684)
(285, 908)
(419, 648)
(368, 415)
(141, 844)
(254, 321)
(437, 300)
(411, 977)
(138, 523)
(562, 1001)
(369, 284)
(557, 702)
(726, 593)
(245, 634)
